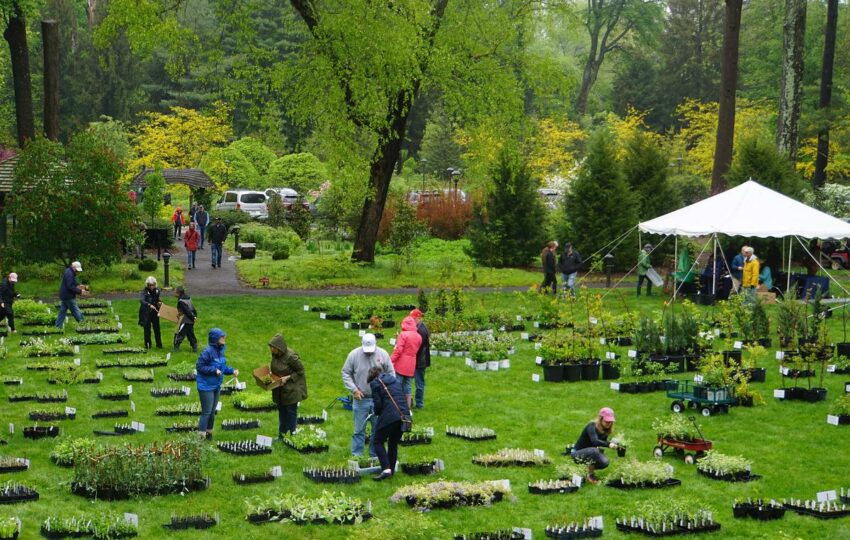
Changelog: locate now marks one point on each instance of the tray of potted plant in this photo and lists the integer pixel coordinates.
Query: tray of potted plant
(634, 474)
(41, 331)
(52, 414)
(75, 376)
(247, 401)
(243, 448)
(16, 397)
(97, 328)
(12, 381)
(111, 413)
(66, 449)
(724, 467)
(15, 492)
(138, 375)
(10, 528)
(200, 521)
(169, 391)
(550, 487)
(49, 365)
(254, 477)
(99, 527)
(471, 433)
(123, 350)
(416, 436)
(571, 531)
(331, 475)
(818, 509)
(116, 393)
(444, 494)
(39, 432)
(102, 339)
(13, 464)
(328, 508)
(39, 347)
(240, 424)
(182, 427)
(128, 362)
(181, 409)
(839, 411)
(423, 467)
(311, 419)
(183, 372)
(758, 509)
(306, 440)
(506, 534)
(667, 519)
(508, 457)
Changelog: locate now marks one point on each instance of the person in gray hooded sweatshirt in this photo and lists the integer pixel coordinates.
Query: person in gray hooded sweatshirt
(355, 374)
(287, 364)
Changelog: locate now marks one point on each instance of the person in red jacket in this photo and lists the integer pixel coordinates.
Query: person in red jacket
(178, 221)
(404, 355)
(190, 241)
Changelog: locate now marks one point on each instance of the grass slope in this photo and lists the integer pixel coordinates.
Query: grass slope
(790, 443)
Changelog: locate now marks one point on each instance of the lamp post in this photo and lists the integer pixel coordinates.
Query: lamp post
(422, 164)
(165, 258)
(456, 174)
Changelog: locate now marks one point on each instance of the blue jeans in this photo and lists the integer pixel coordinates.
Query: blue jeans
(362, 408)
(750, 298)
(191, 259)
(215, 254)
(419, 377)
(209, 399)
(406, 383)
(570, 282)
(66, 306)
(287, 418)
(201, 230)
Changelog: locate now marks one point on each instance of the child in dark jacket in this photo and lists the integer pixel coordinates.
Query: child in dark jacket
(188, 318)
(389, 405)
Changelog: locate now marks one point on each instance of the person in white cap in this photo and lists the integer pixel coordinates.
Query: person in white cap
(68, 291)
(7, 298)
(355, 373)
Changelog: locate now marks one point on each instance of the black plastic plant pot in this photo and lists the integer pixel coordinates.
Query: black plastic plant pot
(628, 388)
(24, 495)
(644, 387)
(536, 490)
(758, 374)
(110, 414)
(590, 370)
(351, 477)
(732, 355)
(246, 479)
(621, 451)
(310, 420)
(745, 401)
(670, 482)
(182, 524)
(572, 372)
(741, 511)
(813, 395)
(14, 468)
(413, 469)
(553, 373)
(741, 476)
(610, 371)
(233, 426)
(39, 432)
(183, 429)
(414, 441)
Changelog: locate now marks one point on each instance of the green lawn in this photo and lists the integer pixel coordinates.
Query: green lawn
(789, 442)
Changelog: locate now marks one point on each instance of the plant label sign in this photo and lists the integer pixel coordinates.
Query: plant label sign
(133, 406)
(538, 360)
(577, 479)
(70, 410)
(737, 345)
(615, 386)
(697, 378)
(610, 355)
(277, 471)
(186, 389)
(262, 440)
(167, 357)
(593, 320)
(439, 465)
(132, 519)
(11, 428)
(524, 336)
(717, 332)
(536, 324)
(830, 368)
(324, 415)
(602, 341)
(120, 326)
(306, 307)
(76, 349)
(218, 406)
(392, 341)
(138, 426)
(526, 533)
(129, 388)
(596, 522)
(632, 353)
(535, 377)
(99, 375)
(537, 346)
(780, 355)
(539, 453)
(832, 419)
(504, 484)
(239, 386)
(346, 325)
(779, 394)
(847, 388)
(77, 361)
(826, 496)
(783, 370)
(361, 333)
(323, 315)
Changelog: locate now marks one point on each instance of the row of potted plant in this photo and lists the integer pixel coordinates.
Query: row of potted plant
(97, 328)
(331, 475)
(200, 521)
(41, 331)
(631, 473)
(422, 467)
(818, 509)
(254, 402)
(507, 457)
(253, 477)
(725, 467)
(444, 494)
(41, 397)
(50, 414)
(307, 439)
(78, 375)
(180, 409)
(15, 492)
(124, 350)
(65, 450)
(13, 464)
(100, 527)
(115, 393)
(549, 487)
(99, 338)
(129, 362)
(49, 365)
(182, 427)
(240, 424)
(668, 523)
(572, 531)
(183, 372)
(506, 534)
(11, 380)
(243, 448)
(138, 375)
(168, 391)
(417, 435)
(758, 509)
(328, 508)
(38, 347)
(110, 413)
(471, 433)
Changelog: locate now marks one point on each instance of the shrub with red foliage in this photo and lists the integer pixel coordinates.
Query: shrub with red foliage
(447, 217)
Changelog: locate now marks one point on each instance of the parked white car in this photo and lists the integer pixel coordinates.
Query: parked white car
(252, 203)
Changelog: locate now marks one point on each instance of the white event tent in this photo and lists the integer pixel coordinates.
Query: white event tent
(752, 210)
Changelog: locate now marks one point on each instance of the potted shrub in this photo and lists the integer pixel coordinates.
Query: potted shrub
(840, 408)
(788, 321)
(760, 325)
(725, 467)
(631, 473)
(647, 338)
(552, 352)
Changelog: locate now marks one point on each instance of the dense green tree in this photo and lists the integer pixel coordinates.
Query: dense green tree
(260, 155)
(302, 172)
(439, 150)
(152, 200)
(763, 162)
(600, 206)
(645, 165)
(229, 168)
(507, 230)
(78, 188)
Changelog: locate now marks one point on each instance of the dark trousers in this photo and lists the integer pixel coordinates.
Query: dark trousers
(390, 434)
(7, 313)
(287, 417)
(209, 399)
(178, 230)
(549, 280)
(648, 285)
(186, 331)
(152, 321)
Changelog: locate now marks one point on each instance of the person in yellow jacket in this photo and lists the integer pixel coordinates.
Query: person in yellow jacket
(750, 280)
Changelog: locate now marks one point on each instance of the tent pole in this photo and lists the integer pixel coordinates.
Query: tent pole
(675, 264)
(714, 269)
(788, 282)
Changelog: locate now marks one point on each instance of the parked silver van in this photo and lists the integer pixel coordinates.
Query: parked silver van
(251, 202)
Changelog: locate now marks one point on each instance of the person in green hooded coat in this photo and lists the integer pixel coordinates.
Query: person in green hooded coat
(287, 365)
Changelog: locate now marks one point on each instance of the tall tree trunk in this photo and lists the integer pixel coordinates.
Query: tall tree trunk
(791, 92)
(728, 86)
(822, 159)
(588, 76)
(16, 35)
(50, 39)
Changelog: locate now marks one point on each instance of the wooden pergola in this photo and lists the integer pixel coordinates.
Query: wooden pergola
(194, 178)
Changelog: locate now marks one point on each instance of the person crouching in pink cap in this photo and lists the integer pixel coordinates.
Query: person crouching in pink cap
(593, 440)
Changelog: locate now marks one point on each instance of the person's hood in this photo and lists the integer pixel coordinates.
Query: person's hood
(214, 335)
(278, 343)
(408, 323)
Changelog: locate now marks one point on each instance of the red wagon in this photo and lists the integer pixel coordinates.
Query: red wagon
(691, 450)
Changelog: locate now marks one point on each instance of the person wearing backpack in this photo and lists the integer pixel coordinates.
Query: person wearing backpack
(389, 406)
(186, 323)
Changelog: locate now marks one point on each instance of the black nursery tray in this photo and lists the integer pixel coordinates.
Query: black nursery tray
(259, 519)
(674, 532)
(104, 330)
(182, 377)
(36, 417)
(62, 399)
(253, 479)
(252, 449)
(584, 532)
(111, 414)
(27, 495)
(254, 424)
(256, 409)
(171, 392)
(815, 513)
(534, 490)
(39, 432)
(181, 429)
(191, 523)
(418, 468)
(485, 438)
(105, 433)
(120, 397)
(670, 482)
(108, 493)
(414, 442)
(759, 512)
(743, 477)
(321, 478)
(124, 350)
(310, 420)
(14, 468)
(458, 500)
(229, 390)
(307, 449)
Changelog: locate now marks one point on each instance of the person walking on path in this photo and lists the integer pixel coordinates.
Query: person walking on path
(178, 220)
(569, 263)
(188, 316)
(643, 266)
(190, 242)
(192, 210)
(547, 257)
(68, 291)
(423, 358)
(149, 312)
(750, 281)
(389, 406)
(218, 234)
(404, 355)
(287, 365)
(736, 270)
(593, 439)
(355, 374)
(202, 220)
(8, 295)
(211, 367)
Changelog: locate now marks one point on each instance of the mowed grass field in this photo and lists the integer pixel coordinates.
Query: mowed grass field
(790, 443)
